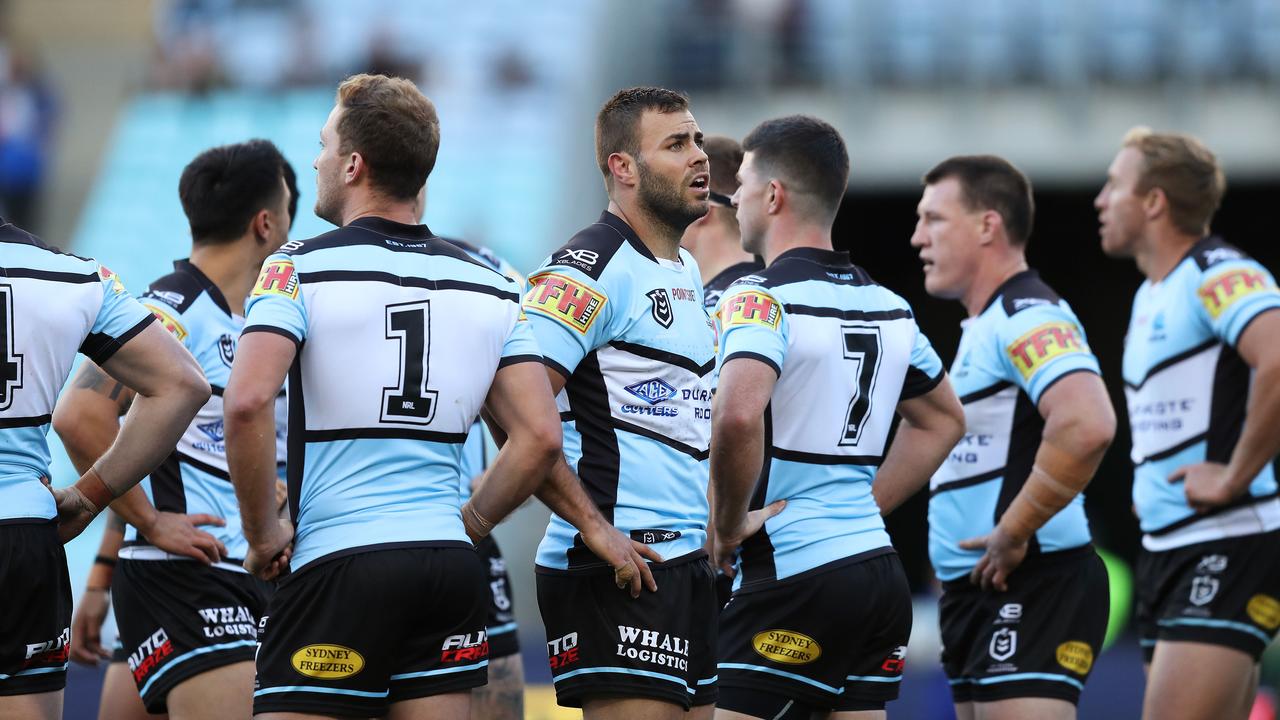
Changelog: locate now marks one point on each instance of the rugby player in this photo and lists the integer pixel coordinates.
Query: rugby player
(392, 340)
(629, 349)
(815, 358)
(714, 239)
(1202, 383)
(502, 698)
(1025, 597)
(52, 305)
(187, 630)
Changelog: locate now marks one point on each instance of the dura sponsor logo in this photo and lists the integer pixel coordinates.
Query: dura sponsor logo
(325, 661)
(49, 652)
(786, 646)
(150, 654)
(896, 661)
(652, 391)
(653, 647)
(563, 651)
(235, 621)
(468, 646)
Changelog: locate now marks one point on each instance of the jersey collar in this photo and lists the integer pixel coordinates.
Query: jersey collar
(391, 228)
(623, 229)
(1021, 274)
(829, 258)
(215, 294)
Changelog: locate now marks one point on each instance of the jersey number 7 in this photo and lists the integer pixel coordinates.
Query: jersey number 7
(409, 401)
(861, 345)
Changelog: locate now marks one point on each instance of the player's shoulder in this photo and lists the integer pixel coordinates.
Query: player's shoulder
(594, 249)
(178, 290)
(479, 253)
(1027, 292)
(1213, 252)
(39, 252)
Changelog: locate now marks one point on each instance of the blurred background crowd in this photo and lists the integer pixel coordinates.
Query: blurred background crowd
(102, 104)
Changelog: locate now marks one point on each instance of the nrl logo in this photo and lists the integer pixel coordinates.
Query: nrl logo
(1004, 643)
(661, 306)
(1203, 589)
(227, 349)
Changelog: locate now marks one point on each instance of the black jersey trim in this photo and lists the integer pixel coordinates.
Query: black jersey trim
(918, 382)
(49, 275)
(316, 436)
(967, 482)
(757, 554)
(1025, 435)
(271, 329)
(1173, 360)
(99, 347)
(219, 391)
(517, 359)
(202, 466)
(52, 522)
(864, 556)
(1249, 322)
(167, 490)
(22, 422)
(1171, 451)
(1066, 374)
(730, 275)
(869, 315)
(14, 235)
(663, 356)
(309, 278)
(565, 372)
(752, 356)
(1196, 517)
(824, 459)
(600, 466)
(986, 392)
(658, 437)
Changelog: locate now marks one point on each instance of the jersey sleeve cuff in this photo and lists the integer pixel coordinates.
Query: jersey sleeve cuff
(1234, 338)
(753, 356)
(517, 359)
(99, 347)
(272, 329)
(919, 383)
(564, 371)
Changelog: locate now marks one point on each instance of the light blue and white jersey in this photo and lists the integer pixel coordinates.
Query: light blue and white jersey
(399, 335)
(1024, 340)
(631, 335)
(194, 478)
(1186, 389)
(846, 351)
(52, 305)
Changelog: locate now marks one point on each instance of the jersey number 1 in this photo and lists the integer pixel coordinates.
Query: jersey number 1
(410, 401)
(10, 362)
(862, 346)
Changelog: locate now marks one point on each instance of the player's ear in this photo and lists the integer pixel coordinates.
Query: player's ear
(622, 167)
(1155, 203)
(261, 225)
(354, 169)
(988, 225)
(775, 197)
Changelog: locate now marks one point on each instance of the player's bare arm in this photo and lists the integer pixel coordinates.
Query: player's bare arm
(261, 363)
(1079, 425)
(87, 420)
(931, 425)
(1209, 485)
(737, 454)
(170, 389)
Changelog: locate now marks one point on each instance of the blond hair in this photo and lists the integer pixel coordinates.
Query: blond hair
(395, 129)
(1185, 171)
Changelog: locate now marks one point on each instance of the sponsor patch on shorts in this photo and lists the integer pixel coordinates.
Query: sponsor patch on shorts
(327, 662)
(1075, 656)
(786, 646)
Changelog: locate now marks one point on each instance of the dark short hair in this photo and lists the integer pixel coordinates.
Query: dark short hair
(291, 181)
(808, 154)
(988, 182)
(725, 155)
(395, 129)
(224, 187)
(618, 122)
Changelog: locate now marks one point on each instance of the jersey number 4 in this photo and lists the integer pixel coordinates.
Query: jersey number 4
(410, 401)
(10, 361)
(862, 347)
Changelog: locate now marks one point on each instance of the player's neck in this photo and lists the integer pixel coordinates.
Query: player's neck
(718, 251)
(662, 239)
(1158, 255)
(989, 277)
(230, 266)
(787, 235)
(405, 212)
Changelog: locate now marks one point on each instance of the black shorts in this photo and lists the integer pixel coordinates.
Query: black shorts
(501, 622)
(1224, 592)
(35, 609)
(352, 634)
(179, 618)
(602, 642)
(1037, 640)
(831, 638)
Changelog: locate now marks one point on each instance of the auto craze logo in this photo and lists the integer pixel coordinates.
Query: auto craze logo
(661, 306)
(751, 307)
(52, 651)
(896, 661)
(652, 391)
(1075, 656)
(786, 646)
(150, 654)
(563, 651)
(1224, 290)
(167, 321)
(327, 662)
(1043, 344)
(278, 277)
(468, 646)
(562, 298)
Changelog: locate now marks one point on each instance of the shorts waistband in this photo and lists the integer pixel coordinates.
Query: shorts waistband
(1033, 564)
(601, 568)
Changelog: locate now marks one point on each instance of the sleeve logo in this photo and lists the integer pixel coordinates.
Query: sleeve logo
(167, 321)
(1039, 347)
(107, 276)
(751, 307)
(565, 299)
(1223, 290)
(278, 277)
